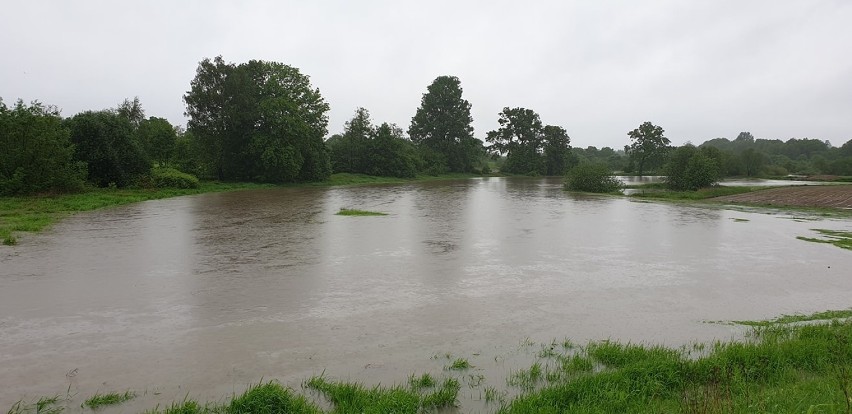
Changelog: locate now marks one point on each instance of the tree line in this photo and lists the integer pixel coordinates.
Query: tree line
(264, 122)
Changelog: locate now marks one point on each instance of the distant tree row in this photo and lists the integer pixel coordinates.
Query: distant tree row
(263, 121)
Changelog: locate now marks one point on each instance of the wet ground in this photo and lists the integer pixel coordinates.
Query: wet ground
(205, 294)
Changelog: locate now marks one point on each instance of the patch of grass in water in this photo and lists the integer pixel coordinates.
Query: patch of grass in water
(739, 220)
(788, 319)
(112, 398)
(355, 398)
(424, 381)
(700, 194)
(354, 212)
(842, 239)
(459, 364)
(270, 397)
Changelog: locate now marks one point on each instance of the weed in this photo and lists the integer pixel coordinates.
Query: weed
(459, 364)
(100, 400)
(421, 382)
(270, 398)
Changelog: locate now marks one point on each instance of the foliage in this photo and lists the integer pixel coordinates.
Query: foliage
(105, 141)
(557, 150)
(690, 168)
(132, 111)
(355, 398)
(592, 178)
(648, 146)
(36, 154)
(158, 139)
(380, 151)
(258, 121)
(520, 138)
(172, 178)
(700, 194)
(443, 124)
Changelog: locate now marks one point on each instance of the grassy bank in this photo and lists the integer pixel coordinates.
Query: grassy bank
(791, 364)
(35, 213)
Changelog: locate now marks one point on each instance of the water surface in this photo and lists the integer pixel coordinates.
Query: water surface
(202, 295)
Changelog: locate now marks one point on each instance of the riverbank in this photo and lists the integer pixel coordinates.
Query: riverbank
(782, 365)
(32, 214)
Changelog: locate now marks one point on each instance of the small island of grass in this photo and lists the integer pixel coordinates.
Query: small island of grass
(355, 212)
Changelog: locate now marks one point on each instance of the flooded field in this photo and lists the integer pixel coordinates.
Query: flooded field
(203, 295)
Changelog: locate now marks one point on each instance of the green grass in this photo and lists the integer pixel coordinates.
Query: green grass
(842, 239)
(354, 212)
(35, 213)
(787, 319)
(356, 398)
(112, 398)
(656, 192)
(782, 368)
(422, 382)
(459, 364)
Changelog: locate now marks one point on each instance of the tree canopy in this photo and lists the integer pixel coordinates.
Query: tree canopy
(443, 125)
(648, 146)
(520, 138)
(258, 121)
(36, 153)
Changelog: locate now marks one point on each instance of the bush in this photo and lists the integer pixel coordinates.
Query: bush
(592, 178)
(172, 178)
(691, 168)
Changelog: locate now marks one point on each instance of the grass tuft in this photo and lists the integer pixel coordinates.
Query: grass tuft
(355, 212)
(459, 364)
(271, 398)
(100, 400)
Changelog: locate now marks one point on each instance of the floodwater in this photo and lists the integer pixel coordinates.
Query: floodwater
(199, 296)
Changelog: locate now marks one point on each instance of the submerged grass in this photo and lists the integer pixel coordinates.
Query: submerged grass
(656, 192)
(782, 366)
(112, 398)
(355, 398)
(355, 212)
(842, 239)
(35, 213)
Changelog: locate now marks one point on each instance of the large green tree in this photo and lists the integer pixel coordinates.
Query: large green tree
(557, 150)
(520, 139)
(157, 137)
(389, 153)
(691, 168)
(260, 121)
(648, 146)
(349, 150)
(105, 141)
(443, 125)
(36, 154)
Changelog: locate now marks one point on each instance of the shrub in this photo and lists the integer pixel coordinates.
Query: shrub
(592, 178)
(172, 178)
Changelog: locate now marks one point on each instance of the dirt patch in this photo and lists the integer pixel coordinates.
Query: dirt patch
(834, 196)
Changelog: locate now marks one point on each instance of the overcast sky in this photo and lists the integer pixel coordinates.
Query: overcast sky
(700, 68)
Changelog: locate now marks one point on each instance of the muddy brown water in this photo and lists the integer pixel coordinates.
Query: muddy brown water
(200, 296)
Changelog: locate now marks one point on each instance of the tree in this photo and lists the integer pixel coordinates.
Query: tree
(132, 110)
(443, 125)
(36, 154)
(104, 140)
(690, 168)
(752, 161)
(157, 137)
(389, 153)
(592, 177)
(520, 138)
(557, 150)
(258, 121)
(648, 145)
(348, 153)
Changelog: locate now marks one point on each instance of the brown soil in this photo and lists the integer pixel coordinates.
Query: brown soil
(834, 196)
